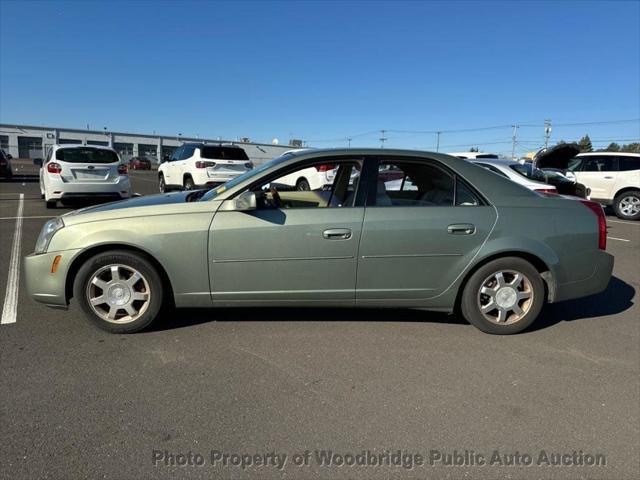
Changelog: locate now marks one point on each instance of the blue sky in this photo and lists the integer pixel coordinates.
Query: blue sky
(325, 71)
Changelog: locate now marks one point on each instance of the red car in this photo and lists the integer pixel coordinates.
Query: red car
(140, 163)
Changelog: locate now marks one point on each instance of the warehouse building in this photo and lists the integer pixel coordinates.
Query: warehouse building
(28, 141)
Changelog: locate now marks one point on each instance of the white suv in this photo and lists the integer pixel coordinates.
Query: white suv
(81, 172)
(201, 165)
(614, 180)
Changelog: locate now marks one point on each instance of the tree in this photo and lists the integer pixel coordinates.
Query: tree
(585, 144)
(474, 149)
(631, 147)
(613, 147)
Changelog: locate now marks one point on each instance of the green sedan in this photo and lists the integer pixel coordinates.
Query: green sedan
(393, 228)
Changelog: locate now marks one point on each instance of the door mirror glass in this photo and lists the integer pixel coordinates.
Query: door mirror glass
(244, 202)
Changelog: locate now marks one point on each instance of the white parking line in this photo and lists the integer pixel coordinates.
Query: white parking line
(35, 216)
(619, 239)
(10, 307)
(637, 224)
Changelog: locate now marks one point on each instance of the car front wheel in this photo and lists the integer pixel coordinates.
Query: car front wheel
(627, 205)
(504, 296)
(303, 185)
(119, 291)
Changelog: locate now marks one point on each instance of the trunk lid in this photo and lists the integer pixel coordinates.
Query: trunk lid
(557, 156)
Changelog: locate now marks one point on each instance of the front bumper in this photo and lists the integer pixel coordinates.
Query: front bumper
(44, 286)
(596, 283)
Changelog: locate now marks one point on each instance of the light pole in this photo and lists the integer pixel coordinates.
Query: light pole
(438, 141)
(349, 140)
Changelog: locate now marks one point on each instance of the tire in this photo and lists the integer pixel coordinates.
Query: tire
(120, 312)
(528, 296)
(627, 205)
(51, 203)
(303, 185)
(161, 185)
(188, 183)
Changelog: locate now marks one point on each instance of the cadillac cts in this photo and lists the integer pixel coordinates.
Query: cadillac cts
(395, 228)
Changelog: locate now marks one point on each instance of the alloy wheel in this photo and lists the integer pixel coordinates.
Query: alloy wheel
(118, 293)
(629, 206)
(505, 297)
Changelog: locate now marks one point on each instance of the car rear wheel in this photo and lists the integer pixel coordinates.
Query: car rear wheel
(51, 203)
(504, 296)
(627, 205)
(119, 291)
(161, 185)
(303, 185)
(188, 183)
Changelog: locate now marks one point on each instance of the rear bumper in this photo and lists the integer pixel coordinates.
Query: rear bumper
(596, 283)
(44, 286)
(121, 188)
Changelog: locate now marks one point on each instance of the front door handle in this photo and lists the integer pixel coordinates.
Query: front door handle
(461, 229)
(337, 234)
(609, 178)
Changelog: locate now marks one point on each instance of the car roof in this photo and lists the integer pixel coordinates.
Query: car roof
(221, 144)
(625, 154)
(501, 162)
(79, 145)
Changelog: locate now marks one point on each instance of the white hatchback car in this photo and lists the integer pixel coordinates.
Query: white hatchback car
(83, 172)
(523, 173)
(201, 165)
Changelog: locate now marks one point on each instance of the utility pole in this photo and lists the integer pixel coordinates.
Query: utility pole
(547, 132)
(438, 142)
(513, 141)
(382, 138)
(349, 140)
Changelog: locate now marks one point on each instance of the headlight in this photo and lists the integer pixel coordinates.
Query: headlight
(46, 234)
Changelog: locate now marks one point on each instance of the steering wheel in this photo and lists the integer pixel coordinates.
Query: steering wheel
(275, 197)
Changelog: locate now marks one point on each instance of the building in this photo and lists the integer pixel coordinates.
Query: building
(28, 141)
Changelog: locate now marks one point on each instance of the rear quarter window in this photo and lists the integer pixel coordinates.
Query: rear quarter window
(629, 163)
(86, 155)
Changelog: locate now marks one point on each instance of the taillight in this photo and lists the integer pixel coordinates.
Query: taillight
(122, 169)
(602, 222)
(324, 168)
(200, 164)
(53, 167)
(551, 191)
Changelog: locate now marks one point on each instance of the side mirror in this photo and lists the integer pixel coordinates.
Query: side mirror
(242, 203)
(37, 162)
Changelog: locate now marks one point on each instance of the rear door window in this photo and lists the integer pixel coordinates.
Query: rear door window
(604, 163)
(223, 153)
(86, 155)
(419, 184)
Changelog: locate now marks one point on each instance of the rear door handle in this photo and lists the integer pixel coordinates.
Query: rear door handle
(609, 178)
(337, 234)
(461, 229)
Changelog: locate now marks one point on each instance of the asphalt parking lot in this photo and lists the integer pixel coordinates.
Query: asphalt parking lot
(77, 402)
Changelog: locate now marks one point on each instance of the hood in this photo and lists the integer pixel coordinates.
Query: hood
(556, 157)
(146, 201)
(164, 204)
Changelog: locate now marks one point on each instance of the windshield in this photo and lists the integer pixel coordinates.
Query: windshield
(86, 155)
(527, 170)
(213, 193)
